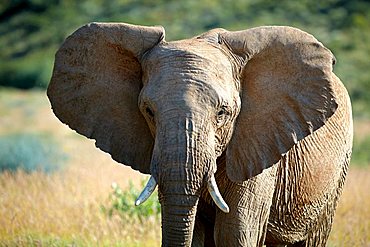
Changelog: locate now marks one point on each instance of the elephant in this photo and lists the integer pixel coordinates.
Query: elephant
(247, 134)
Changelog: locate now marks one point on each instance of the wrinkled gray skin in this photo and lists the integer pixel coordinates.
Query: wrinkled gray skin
(259, 109)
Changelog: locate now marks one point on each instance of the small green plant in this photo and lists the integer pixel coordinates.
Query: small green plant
(29, 152)
(122, 203)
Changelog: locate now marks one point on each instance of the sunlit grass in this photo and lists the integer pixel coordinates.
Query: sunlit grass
(351, 225)
(65, 207)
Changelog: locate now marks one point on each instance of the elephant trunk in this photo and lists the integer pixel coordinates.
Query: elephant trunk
(179, 192)
(178, 217)
(182, 164)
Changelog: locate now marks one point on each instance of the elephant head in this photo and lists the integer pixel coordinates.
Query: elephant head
(169, 109)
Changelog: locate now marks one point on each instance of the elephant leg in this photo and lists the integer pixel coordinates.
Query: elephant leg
(198, 234)
(204, 225)
(249, 202)
(319, 233)
(203, 235)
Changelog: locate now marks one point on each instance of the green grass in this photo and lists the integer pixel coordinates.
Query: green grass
(361, 152)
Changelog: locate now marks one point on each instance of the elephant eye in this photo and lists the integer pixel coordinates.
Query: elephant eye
(222, 115)
(149, 112)
(221, 112)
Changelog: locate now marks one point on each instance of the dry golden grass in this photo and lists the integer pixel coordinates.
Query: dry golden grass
(351, 225)
(63, 208)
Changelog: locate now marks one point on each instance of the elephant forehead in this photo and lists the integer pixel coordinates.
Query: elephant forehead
(172, 92)
(189, 65)
(188, 56)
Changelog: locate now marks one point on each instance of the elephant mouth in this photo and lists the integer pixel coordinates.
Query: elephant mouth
(211, 186)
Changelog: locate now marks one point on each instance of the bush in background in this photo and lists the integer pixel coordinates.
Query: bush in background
(25, 74)
(29, 152)
(122, 203)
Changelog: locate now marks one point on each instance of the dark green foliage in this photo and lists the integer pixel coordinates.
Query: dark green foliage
(29, 152)
(32, 30)
(122, 203)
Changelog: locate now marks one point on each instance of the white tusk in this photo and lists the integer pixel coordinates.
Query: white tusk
(216, 196)
(147, 191)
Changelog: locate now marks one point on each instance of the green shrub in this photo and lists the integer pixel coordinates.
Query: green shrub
(122, 203)
(25, 73)
(29, 152)
(361, 152)
(21, 78)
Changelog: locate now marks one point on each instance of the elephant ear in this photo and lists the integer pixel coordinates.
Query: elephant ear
(95, 86)
(286, 93)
